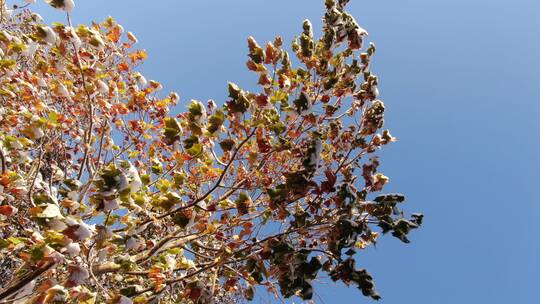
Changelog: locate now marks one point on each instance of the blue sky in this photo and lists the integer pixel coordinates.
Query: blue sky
(461, 82)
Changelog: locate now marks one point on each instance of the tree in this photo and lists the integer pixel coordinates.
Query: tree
(107, 197)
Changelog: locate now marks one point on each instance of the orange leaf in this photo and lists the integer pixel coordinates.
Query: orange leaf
(124, 67)
(138, 56)
(132, 37)
(114, 34)
(120, 108)
(34, 211)
(4, 180)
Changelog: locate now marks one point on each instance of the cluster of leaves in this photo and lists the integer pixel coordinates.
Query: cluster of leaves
(105, 196)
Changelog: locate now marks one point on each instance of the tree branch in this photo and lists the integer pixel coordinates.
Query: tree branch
(29, 278)
(3, 159)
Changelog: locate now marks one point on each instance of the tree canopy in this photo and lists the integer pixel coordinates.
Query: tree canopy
(106, 196)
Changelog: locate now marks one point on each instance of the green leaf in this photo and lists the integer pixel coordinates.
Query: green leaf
(227, 144)
(234, 91)
(402, 227)
(257, 55)
(302, 103)
(145, 178)
(7, 63)
(178, 179)
(191, 141)
(239, 105)
(181, 219)
(5, 243)
(172, 130)
(109, 176)
(192, 146)
(243, 202)
(390, 198)
(170, 200)
(129, 291)
(279, 194)
(216, 121)
(157, 167)
(36, 253)
(195, 110)
(195, 150)
(175, 251)
(56, 3)
(417, 218)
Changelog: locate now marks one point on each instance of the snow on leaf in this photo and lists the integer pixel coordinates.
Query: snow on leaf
(50, 211)
(63, 5)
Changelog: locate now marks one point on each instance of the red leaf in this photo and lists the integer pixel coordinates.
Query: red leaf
(7, 210)
(195, 293)
(328, 185)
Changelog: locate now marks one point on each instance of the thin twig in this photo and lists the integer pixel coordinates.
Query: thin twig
(31, 189)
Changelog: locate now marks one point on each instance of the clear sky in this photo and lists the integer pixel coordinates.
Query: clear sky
(461, 82)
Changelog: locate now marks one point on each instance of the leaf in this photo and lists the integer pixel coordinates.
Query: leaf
(227, 144)
(390, 198)
(216, 121)
(109, 176)
(172, 131)
(234, 91)
(178, 179)
(402, 227)
(10, 241)
(139, 55)
(114, 34)
(195, 293)
(50, 211)
(279, 194)
(132, 37)
(196, 111)
(328, 185)
(89, 299)
(36, 253)
(417, 218)
(7, 63)
(7, 210)
(181, 219)
(345, 272)
(302, 103)
(365, 283)
(249, 293)
(157, 166)
(243, 202)
(238, 105)
(256, 53)
(192, 146)
(128, 291)
(63, 5)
